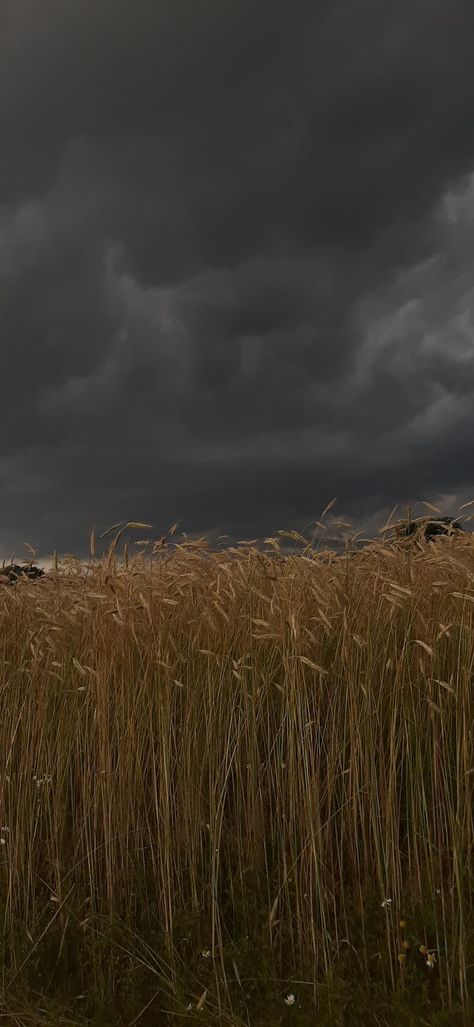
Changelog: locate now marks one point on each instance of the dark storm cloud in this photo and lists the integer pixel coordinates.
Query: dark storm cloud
(228, 282)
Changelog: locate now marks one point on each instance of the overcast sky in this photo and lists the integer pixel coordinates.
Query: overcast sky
(236, 264)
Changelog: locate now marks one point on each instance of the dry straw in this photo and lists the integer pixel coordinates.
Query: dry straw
(167, 730)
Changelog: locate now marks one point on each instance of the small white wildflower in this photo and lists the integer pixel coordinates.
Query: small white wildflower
(386, 903)
(206, 954)
(46, 780)
(290, 999)
(431, 960)
(2, 841)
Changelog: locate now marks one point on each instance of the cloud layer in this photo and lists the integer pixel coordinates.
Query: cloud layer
(236, 263)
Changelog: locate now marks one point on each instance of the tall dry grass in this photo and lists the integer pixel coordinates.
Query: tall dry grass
(272, 745)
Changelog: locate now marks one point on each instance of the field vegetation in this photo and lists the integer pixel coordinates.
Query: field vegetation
(237, 787)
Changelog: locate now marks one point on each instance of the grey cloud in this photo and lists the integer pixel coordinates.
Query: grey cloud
(225, 277)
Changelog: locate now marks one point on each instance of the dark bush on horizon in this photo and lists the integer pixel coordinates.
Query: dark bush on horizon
(429, 527)
(14, 571)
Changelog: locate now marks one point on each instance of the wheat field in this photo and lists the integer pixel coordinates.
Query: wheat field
(237, 787)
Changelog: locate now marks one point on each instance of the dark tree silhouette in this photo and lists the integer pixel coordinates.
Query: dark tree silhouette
(428, 527)
(14, 571)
